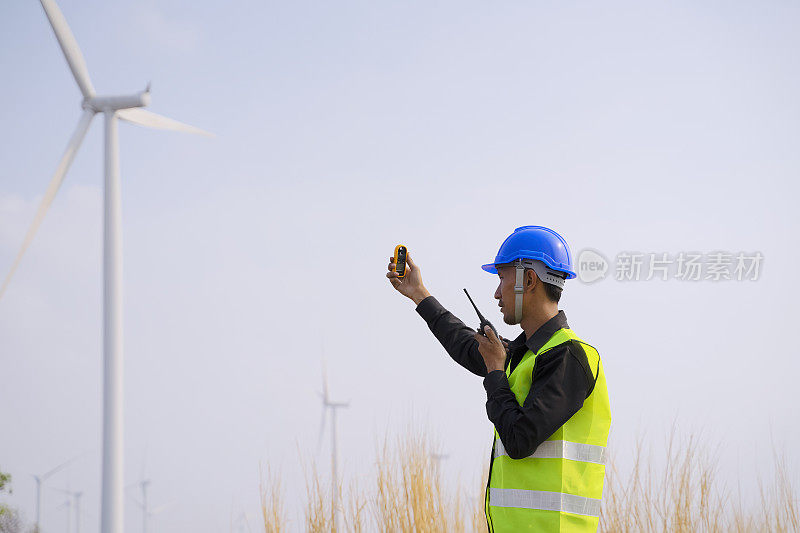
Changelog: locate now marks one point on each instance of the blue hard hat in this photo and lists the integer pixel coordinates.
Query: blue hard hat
(534, 242)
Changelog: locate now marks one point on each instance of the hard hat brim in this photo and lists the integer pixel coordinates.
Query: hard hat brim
(489, 268)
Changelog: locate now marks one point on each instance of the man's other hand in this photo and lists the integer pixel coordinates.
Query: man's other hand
(409, 285)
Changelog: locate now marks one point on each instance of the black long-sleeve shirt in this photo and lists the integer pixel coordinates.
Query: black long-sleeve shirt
(559, 386)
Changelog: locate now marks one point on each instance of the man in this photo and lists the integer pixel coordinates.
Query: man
(546, 389)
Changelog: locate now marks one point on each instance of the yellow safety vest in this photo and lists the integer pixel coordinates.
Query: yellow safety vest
(558, 488)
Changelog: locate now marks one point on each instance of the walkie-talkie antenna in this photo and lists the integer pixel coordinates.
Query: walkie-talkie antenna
(475, 306)
(483, 320)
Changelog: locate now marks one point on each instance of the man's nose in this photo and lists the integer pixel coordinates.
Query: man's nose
(497, 293)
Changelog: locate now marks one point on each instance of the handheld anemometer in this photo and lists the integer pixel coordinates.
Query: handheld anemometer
(400, 252)
(483, 320)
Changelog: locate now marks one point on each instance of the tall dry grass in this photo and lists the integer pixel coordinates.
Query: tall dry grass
(409, 494)
(272, 510)
(687, 495)
(684, 493)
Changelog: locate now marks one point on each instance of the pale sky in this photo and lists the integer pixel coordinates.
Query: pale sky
(343, 129)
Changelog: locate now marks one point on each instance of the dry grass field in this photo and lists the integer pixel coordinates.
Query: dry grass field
(684, 495)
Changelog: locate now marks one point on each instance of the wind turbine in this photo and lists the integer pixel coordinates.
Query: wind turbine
(436, 461)
(241, 522)
(144, 504)
(328, 404)
(68, 505)
(40, 488)
(142, 484)
(76, 501)
(128, 108)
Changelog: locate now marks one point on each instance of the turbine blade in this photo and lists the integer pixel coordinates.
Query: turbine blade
(325, 382)
(65, 504)
(59, 467)
(144, 463)
(161, 508)
(50, 193)
(69, 46)
(142, 117)
(137, 502)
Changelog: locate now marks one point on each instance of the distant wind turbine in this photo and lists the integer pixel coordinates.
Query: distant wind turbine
(128, 108)
(66, 505)
(147, 512)
(328, 404)
(143, 484)
(242, 522)
(76, 501)
(436, 461)
(40, 488)
(144, 504)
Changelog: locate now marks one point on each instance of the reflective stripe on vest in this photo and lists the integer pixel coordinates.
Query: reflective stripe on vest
(544, 501)
(562, 449)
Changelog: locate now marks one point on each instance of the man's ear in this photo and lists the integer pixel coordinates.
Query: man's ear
(530, 281)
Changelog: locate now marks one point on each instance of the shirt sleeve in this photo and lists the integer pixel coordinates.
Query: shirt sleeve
(456, 337)
(558, 390)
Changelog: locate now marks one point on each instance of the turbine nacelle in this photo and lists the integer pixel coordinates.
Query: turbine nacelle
(115, 103)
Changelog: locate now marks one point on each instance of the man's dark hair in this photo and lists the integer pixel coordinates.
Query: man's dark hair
(553, 292)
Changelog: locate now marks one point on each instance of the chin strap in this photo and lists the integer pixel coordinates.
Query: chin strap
(518, 288)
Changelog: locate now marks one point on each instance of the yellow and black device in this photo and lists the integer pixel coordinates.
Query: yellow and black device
(400, 252)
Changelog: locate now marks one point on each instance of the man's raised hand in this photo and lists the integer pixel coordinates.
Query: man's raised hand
(409, 285)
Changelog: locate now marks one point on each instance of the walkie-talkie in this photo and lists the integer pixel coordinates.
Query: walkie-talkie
(484, 322)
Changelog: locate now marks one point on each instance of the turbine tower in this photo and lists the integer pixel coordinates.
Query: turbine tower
(77, 497)
(127, 108)
(328, 404)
